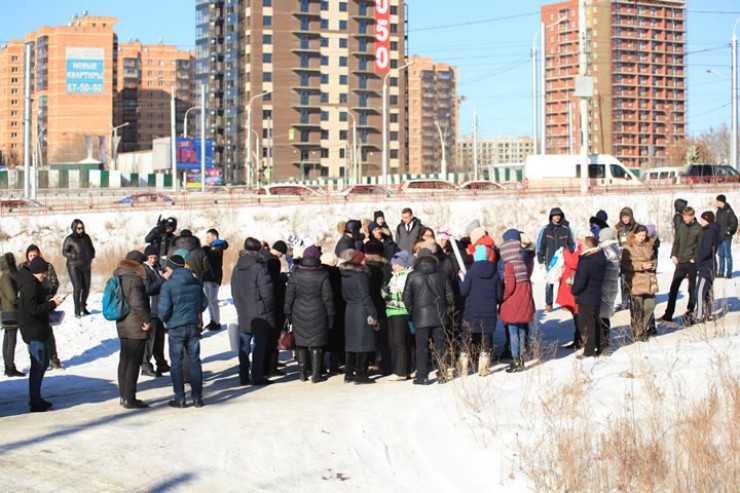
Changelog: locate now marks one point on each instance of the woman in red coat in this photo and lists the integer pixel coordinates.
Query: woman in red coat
(517, 308)
(565, 298)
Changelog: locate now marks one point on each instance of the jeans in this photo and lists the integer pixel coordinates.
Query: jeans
(517, 335)
(683, 270)
(548, 294)
(39, 362)
(129, 362)
(423, 334)
(180, 338)
(211, 291)
(80, 277)
(259, 337)
(724, 252)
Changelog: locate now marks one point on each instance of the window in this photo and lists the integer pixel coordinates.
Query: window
(324, 24)
(324, 5)
(267, 20)
(343, 97)
(267, 39)
(324, 134)
(267, 3)
(324, 97)
(267, 58)
(342, 135)
(343, 80)
(343, 6)
(342, 116)
(324, 42)
(324, 78)
(342, 42)
(342, 25)
(342, 61)
(324, 60)
(341, 153)
(324, 116)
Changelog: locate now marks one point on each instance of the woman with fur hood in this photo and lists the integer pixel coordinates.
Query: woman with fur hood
(639, 262)
(132, 329)
(517, 306)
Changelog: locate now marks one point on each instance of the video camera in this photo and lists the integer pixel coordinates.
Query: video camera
(163, 223)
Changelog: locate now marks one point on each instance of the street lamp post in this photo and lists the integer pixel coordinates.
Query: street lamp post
(354, 146)
(114, 144)
(185, 123)
(733, 146)
(249, 135)
(534, 90)
(258, 153)
(384, 159)
(173, 136)
(444, 154)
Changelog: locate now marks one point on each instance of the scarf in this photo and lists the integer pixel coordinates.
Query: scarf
(511, 253)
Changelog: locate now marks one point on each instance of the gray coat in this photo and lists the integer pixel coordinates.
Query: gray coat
(359, 336)
(132, 281)
(405, 238)
(610, 286)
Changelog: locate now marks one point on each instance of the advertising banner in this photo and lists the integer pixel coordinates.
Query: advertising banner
(85, 70)
(188, 153)
(382, 36)
(214, 177)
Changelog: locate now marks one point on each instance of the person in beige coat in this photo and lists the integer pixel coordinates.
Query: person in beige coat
(639, 263)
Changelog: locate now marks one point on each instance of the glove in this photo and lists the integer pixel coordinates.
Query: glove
(330, 323)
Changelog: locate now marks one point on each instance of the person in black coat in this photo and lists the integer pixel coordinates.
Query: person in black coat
(254, 299)
(309, 304)
(380, 274)
(352, 237)
(79, 251)
(587, 290)
(214, 250)
(428, 296)
(33, 317)
(153, 281)
(133, 328)
(161, 237)
(555, 234)
(361, 317)
(706, 266)
(377, 232)
(336, 335)
(197, 260)
(274, 267)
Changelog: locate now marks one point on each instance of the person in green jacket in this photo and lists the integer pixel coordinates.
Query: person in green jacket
(399, 336)
(685, 244)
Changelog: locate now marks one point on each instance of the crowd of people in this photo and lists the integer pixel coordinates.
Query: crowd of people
(403, 303)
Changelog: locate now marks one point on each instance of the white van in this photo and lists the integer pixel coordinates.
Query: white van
(669, 175)
(603, 170)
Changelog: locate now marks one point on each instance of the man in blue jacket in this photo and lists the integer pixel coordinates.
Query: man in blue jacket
(587, 290)
(181, 301)
(705, 265)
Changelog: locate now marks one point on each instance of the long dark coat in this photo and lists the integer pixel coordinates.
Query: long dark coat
(132, 281)
(482, 291)
(428, 294)
(254, 297)
(359, 336)
(309, 302)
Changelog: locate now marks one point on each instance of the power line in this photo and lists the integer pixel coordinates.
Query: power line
(472, 23)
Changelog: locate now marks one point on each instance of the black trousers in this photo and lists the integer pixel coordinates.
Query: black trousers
(683, 270)
(132, 351)
(272, 353)
(155, 343)
(80, 277)
(383, 345)
(589, 325)
(10, 337)
(400, 346)
(423, 337)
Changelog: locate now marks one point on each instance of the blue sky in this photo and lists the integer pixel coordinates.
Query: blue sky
(488, 40)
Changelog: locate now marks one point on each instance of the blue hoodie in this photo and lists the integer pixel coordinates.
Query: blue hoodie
(181, 299)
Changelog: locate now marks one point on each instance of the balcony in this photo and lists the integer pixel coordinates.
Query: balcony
(307, 14)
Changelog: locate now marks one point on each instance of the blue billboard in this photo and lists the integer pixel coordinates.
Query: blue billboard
(188, 153)
(85, 71)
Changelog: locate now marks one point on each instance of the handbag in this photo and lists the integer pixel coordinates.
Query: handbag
(286, 341)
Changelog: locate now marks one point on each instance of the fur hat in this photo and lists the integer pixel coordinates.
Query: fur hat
(708, 216)
(280, 246)
(38, 266)
(136, 256)
(476, 234)
(175, 262)
(329, 258)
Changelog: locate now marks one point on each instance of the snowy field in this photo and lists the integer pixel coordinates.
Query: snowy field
(391, 436)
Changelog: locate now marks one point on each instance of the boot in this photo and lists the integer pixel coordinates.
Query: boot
(316, 357)
(147, 370)
(463, 364)
(12, 371)
(483, 361)
(350, 367)
(334, 363)
(302, 354)
(516, 366)
(56, 364)
(361, 374)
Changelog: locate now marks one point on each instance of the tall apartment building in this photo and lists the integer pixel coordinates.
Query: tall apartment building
(432, 115)
(147, 75)
(73, 86)
(318, 61)
(635, 53)
(493, 150)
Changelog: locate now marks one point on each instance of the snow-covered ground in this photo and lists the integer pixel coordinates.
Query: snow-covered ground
(391, 436)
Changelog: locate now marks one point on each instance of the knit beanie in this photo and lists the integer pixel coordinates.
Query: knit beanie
(38, 266)
(280, 246)
(378, 214)
(602, 215)
(708, 216)
(402, 258)
(175, 262)
(311, 252)
(151, 250)
(721, 198)
(136, 256)
(372, 226)
(512, 234)
(480, 253)
(476, 234)
(357, 257)
(182, 252)
(329, 258)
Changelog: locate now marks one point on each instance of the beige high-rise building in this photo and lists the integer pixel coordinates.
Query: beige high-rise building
(147, 75)
(635, 53)
(317, 62)
(493, 150)
(432, 115)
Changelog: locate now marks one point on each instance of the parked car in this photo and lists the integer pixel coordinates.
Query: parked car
(427, 186)
(481, 186)
(366, 190)
(12, 204)
(145, 198)
(711, 173)
(296, 190)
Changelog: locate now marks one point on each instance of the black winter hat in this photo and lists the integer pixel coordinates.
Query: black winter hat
(151, 250)
(175, 262)
(721, 198)
(378, 214)
(38, 266)
(186, 232)
(708, 216)
(136, 256)
(280, 246)
(352, 226)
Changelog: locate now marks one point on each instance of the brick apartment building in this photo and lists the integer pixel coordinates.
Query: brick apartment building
(635, 53)
(432, 115)
(318, 59)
